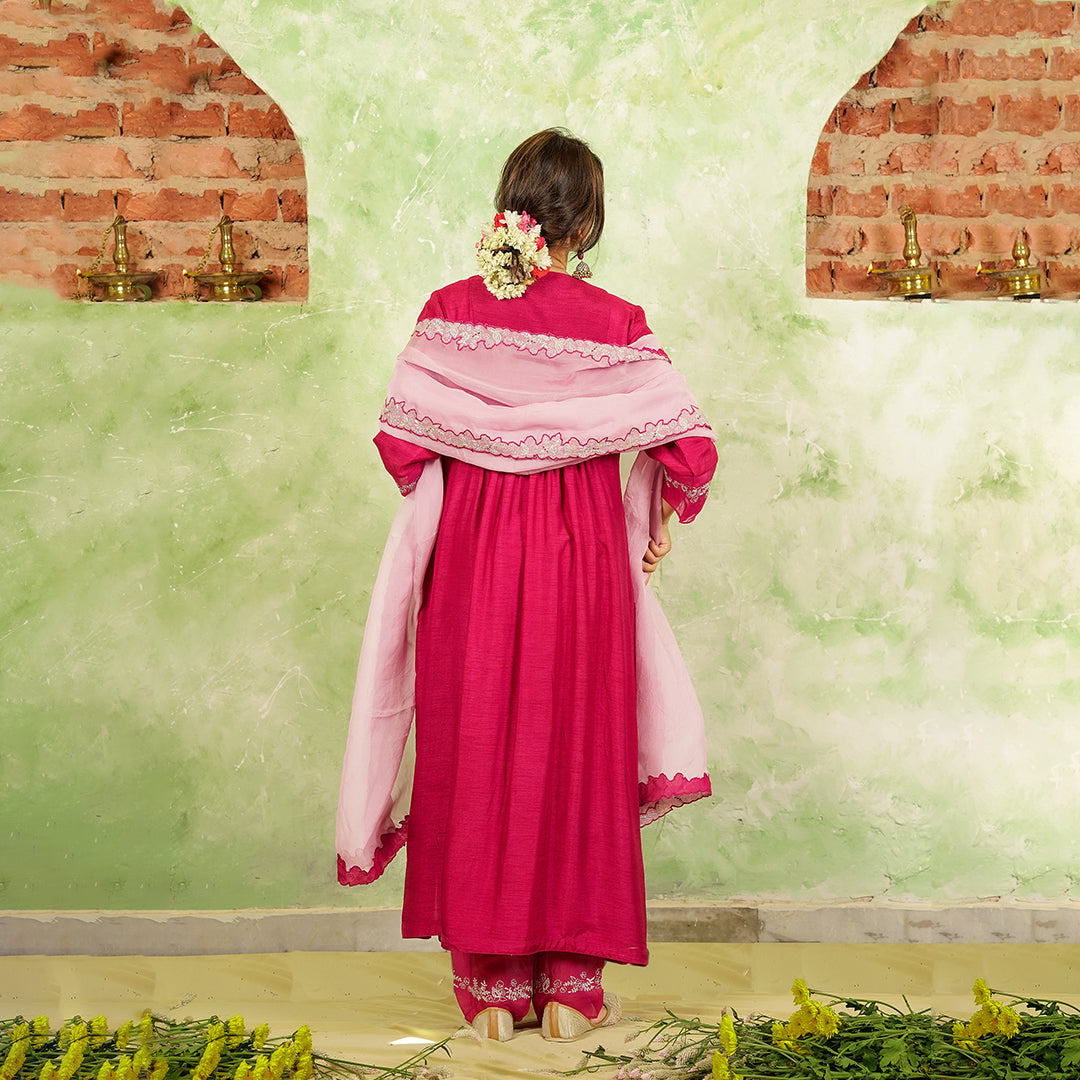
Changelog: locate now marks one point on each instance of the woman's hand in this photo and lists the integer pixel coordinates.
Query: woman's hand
(657, 549)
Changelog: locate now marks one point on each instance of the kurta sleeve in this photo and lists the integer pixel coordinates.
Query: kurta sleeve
(689, 465)
(404, 461)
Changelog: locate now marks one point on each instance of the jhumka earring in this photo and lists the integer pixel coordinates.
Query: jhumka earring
(582, 270)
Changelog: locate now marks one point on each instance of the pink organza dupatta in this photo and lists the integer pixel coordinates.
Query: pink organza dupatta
(555, 401)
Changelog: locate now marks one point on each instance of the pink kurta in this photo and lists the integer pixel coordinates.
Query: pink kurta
(523, 830)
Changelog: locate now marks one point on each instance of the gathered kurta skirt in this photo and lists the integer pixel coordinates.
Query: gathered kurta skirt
(524, 826)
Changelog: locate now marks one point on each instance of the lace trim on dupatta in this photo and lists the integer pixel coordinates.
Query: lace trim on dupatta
(473, 336)
(390, 843)
(548, 447)
(658, 795)
(693, 494)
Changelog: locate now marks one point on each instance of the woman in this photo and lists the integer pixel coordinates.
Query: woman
(552, 712)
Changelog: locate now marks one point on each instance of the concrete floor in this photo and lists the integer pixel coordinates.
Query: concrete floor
(357, 1004)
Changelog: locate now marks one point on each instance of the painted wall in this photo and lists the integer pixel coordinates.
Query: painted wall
(881, 605)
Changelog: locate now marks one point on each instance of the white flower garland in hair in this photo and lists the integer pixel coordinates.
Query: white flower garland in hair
(512, 255)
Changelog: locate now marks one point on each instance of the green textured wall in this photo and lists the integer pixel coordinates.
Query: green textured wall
(881, 605)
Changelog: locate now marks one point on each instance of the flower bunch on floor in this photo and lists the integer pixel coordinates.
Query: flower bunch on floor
(857, 1039)
(157, 1048)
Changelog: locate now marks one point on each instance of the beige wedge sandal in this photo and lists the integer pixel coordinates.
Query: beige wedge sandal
(495, 1024)
(563, 1024)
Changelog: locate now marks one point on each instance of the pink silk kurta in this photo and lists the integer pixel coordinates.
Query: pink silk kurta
(523, 830)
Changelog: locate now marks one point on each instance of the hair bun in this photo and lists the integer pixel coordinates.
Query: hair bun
(512, 254)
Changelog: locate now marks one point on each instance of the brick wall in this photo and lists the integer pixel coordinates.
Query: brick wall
(973, 119)
(122, 106)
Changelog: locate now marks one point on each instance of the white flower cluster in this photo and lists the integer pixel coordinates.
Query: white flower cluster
(512, 255)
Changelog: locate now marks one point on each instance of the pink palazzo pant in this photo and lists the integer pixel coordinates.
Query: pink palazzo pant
(484, 981)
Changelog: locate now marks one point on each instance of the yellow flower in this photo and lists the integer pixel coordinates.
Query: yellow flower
(73, 1057)
(278, 1062)
(211, 1056)
(16, 1055)
(728, 1038)
(141, 1061)
(48, 1071)
(720, 1068)
(305, 1067)
(99, 1032)
(124, 1069)
(981, 992)
(800, 992)
(262, 1067)
(243, 1071)
(123, 1034)
(260, 1035)
(161, 1067)
(40, 1027)
(107, 1071)
(235, 1027)
(146, 1028)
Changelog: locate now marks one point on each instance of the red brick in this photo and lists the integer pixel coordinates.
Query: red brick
(1064, 64)
(34, 123)
(196, 159)
(60, 159)
(1028, 115)
(851, 279)
(1020, 201)
(295, 282)
(918, 198)
(167, 68)
(105, 52)
(205, 41)
(846, 156)
(1002, 66)
(848, 203)
(285, 170)
(71, 55)
(819, 280)
(158, 120)
(943, 157)
(258, 123)
(1065, 199)
(853, 119)
(1061, 279)
(1004, 157)
(169, 205)
(991, 239)
(819, 201)
(819, 163)
(234, 83)
(99, 123)
(17, 206)
(99, 207)
(912, 118)
(940, 237)
(964, 118)
(830, 238)
(965, 203)
(1047, 238)
(251, 205)
(959, 279)
(906, 65)
(986, 17)
(1070, 113)
(293, 206)
(913, 27)
(909, 158)
(882, 239)
(1062, 159)
(863, 81)
(1049, 20)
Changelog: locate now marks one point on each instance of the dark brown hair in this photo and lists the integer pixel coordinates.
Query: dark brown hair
(557, 180)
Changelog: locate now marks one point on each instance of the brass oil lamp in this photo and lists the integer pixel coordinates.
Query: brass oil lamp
(121, 283)
(228, 283)
(911, 281)
(1023, 281)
